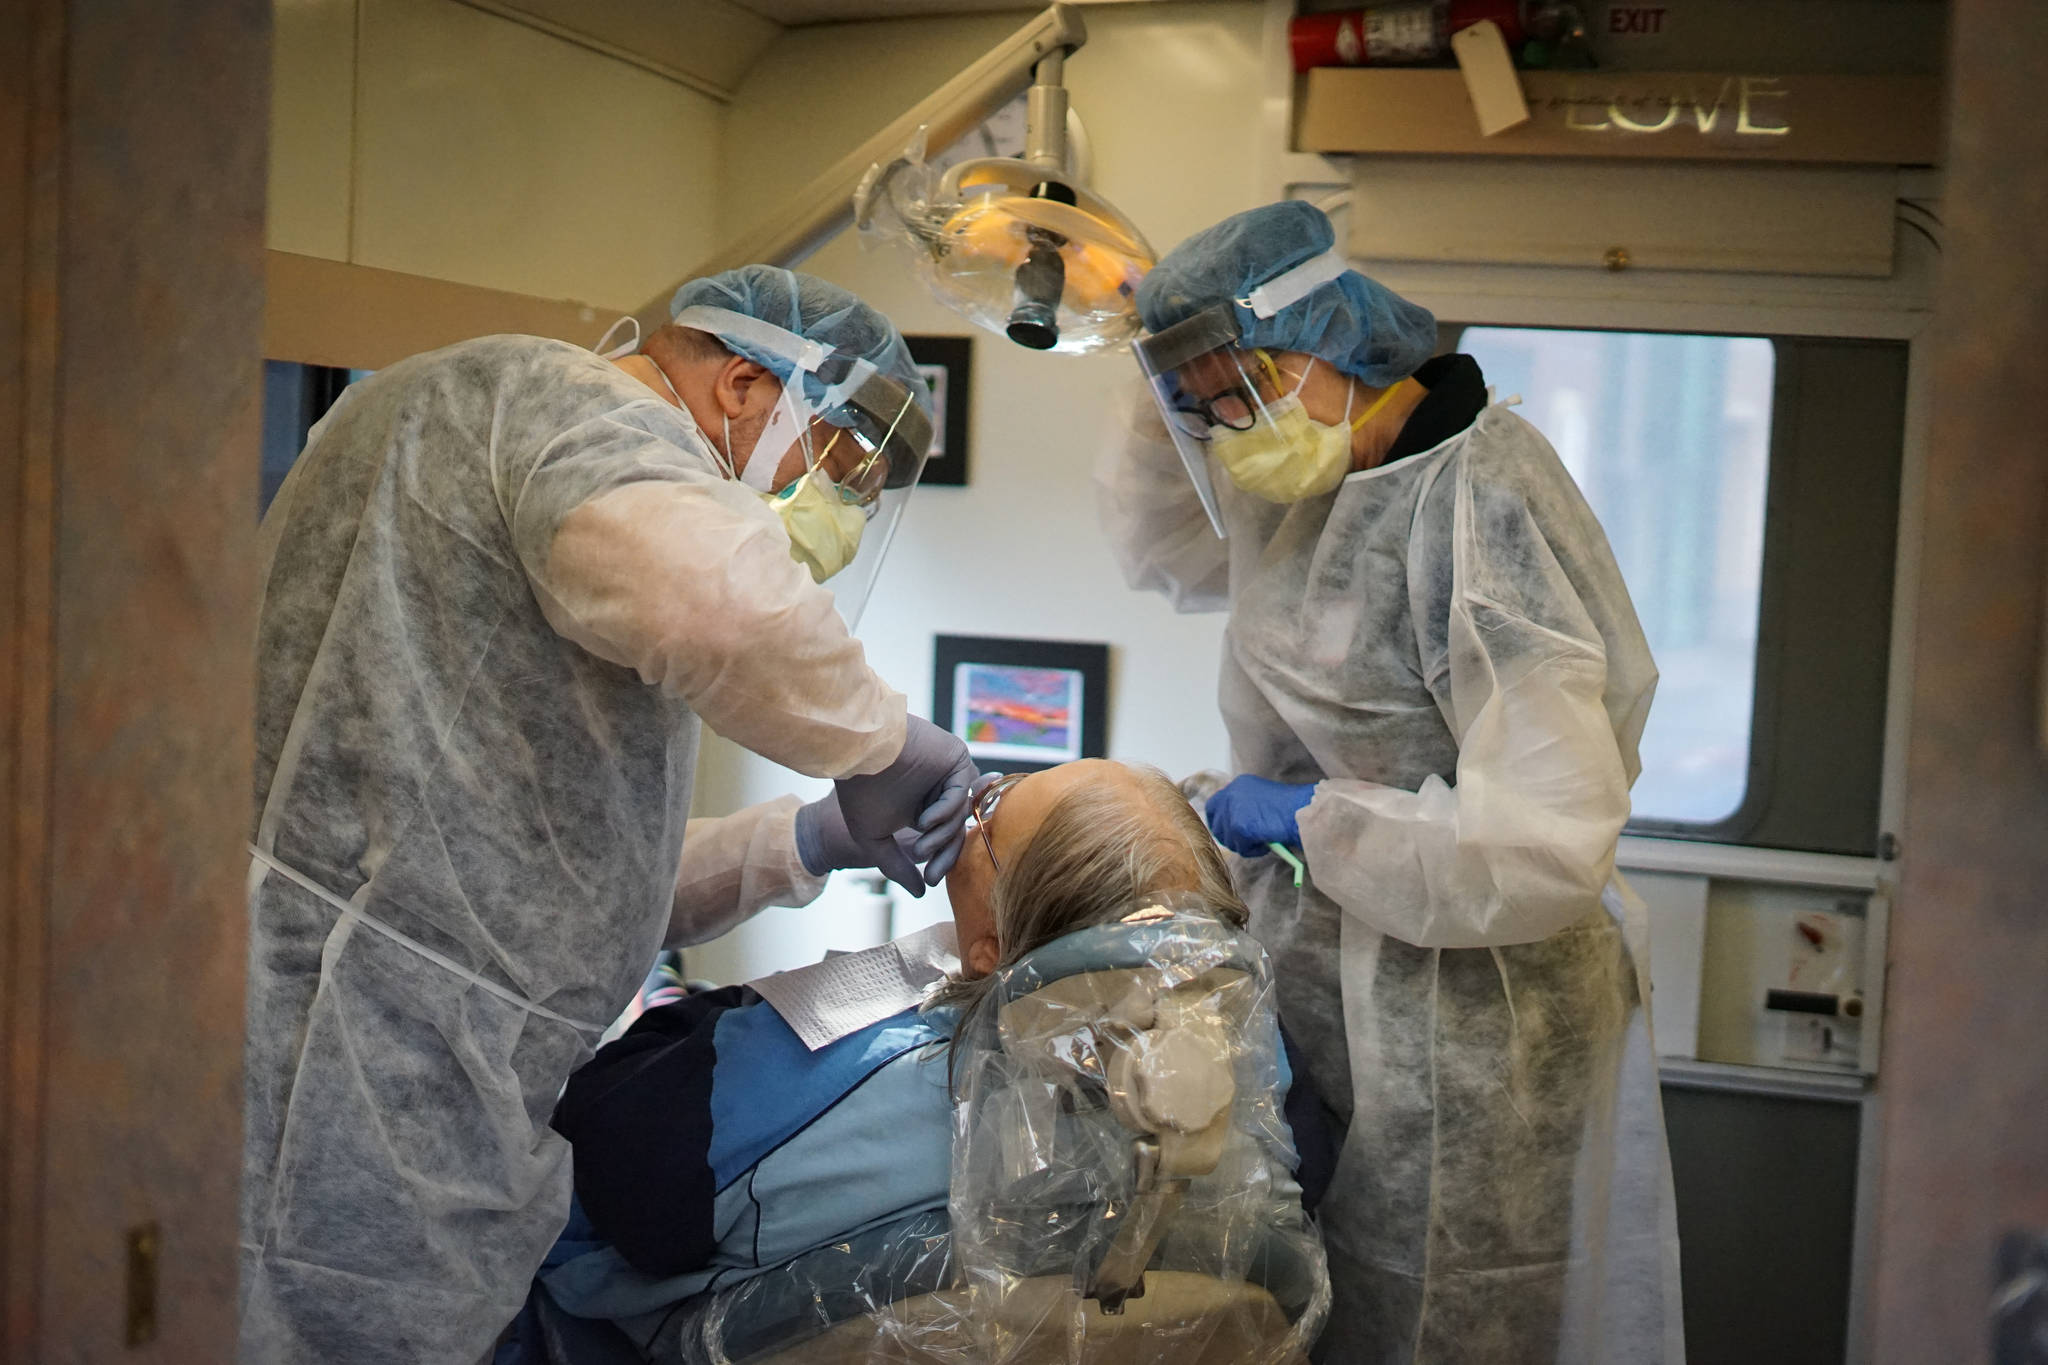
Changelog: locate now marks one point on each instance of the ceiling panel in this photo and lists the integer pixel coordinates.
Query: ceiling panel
(719, 42)
(793, 13)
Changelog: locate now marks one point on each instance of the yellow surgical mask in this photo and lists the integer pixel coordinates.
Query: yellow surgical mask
(824, 528)
(1290, 456)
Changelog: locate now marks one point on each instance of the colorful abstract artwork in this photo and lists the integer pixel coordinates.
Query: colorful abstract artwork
(1003, 711)
(1022, 705)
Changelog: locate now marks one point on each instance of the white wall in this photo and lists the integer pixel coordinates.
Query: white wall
(433, 138)
(821, 91)
(1169, 96)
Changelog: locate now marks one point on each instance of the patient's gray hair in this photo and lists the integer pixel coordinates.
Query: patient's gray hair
(1096, 858)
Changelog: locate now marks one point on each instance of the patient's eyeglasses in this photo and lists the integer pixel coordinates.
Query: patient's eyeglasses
(985, 810)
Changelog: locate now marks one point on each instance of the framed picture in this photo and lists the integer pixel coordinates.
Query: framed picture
(947, 364)
(1022, 705)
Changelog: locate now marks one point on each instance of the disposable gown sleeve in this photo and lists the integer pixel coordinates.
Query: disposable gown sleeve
(686, 577)
(1523, 845)
(1152, 515)
(736, 866)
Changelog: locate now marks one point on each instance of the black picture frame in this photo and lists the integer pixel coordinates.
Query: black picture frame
(958, 659)
(947, 363)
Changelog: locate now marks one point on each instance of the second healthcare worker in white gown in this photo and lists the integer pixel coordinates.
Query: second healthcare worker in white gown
(1434, 683)
(506, 581)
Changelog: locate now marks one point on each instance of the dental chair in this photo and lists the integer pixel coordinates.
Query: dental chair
(1120, 1188)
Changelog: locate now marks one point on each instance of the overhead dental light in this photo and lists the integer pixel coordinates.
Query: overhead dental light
(1015, 244)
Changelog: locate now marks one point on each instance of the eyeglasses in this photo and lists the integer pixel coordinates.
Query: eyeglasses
(985, 809)
(861, 485)
(1237, 406)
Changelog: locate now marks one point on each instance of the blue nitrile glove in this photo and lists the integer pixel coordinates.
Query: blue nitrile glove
(925, 789)
(1251, 812)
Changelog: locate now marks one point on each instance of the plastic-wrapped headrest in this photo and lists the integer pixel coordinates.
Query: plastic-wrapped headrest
(1119, 1119)
(1177, 939)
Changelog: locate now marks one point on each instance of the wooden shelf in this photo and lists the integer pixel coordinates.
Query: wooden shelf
(1687, 116)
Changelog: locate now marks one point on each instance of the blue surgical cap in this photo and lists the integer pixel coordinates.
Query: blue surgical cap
(813, 309)
(1352, 322)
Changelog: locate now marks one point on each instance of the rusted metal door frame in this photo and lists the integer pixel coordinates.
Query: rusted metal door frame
(133, 147)
(1966, 1053)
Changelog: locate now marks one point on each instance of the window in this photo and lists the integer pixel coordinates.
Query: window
(294, 398)
(1669, 437)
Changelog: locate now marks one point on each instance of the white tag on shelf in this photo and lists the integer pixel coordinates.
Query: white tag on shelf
(1490, 77)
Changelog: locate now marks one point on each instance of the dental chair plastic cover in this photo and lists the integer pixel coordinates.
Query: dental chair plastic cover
(522, 810)
(1353, 322)
(1043, 1175)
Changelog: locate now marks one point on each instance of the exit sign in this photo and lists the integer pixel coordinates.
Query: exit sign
(1636, 21)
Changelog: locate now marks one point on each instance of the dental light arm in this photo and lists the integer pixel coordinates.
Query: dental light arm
(825, 206)
(1015, 244)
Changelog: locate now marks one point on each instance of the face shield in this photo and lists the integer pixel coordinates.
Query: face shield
(864, 439)
(890, 435)
(1220, 397)
(1194, 372)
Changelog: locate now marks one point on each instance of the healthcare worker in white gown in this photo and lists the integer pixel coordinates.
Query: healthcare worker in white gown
(506, 581)
(1434, 684)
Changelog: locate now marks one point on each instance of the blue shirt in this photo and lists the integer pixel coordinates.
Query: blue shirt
(711, 1144)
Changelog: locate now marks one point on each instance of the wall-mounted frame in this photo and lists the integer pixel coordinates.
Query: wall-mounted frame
(947, 364)
(1022, 705)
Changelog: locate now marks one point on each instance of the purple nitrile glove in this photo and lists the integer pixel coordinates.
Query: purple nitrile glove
(822, 840)
(1252, 812)
(925, 788)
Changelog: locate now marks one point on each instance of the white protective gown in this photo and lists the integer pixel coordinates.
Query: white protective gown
(505, 579)
(1445, 647)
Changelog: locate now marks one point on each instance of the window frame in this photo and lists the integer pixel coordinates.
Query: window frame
(1757, 821)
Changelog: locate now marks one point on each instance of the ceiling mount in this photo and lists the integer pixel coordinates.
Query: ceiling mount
(1014, 244)
(812, 217)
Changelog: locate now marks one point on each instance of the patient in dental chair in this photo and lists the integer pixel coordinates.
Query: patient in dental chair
(739, 1129)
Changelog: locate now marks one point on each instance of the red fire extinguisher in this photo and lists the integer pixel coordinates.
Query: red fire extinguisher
(1413, 30)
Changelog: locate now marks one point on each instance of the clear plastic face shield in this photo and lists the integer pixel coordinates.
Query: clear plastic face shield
(1218, 396)
(863, 438)
(889, 436)
(1198, 379)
